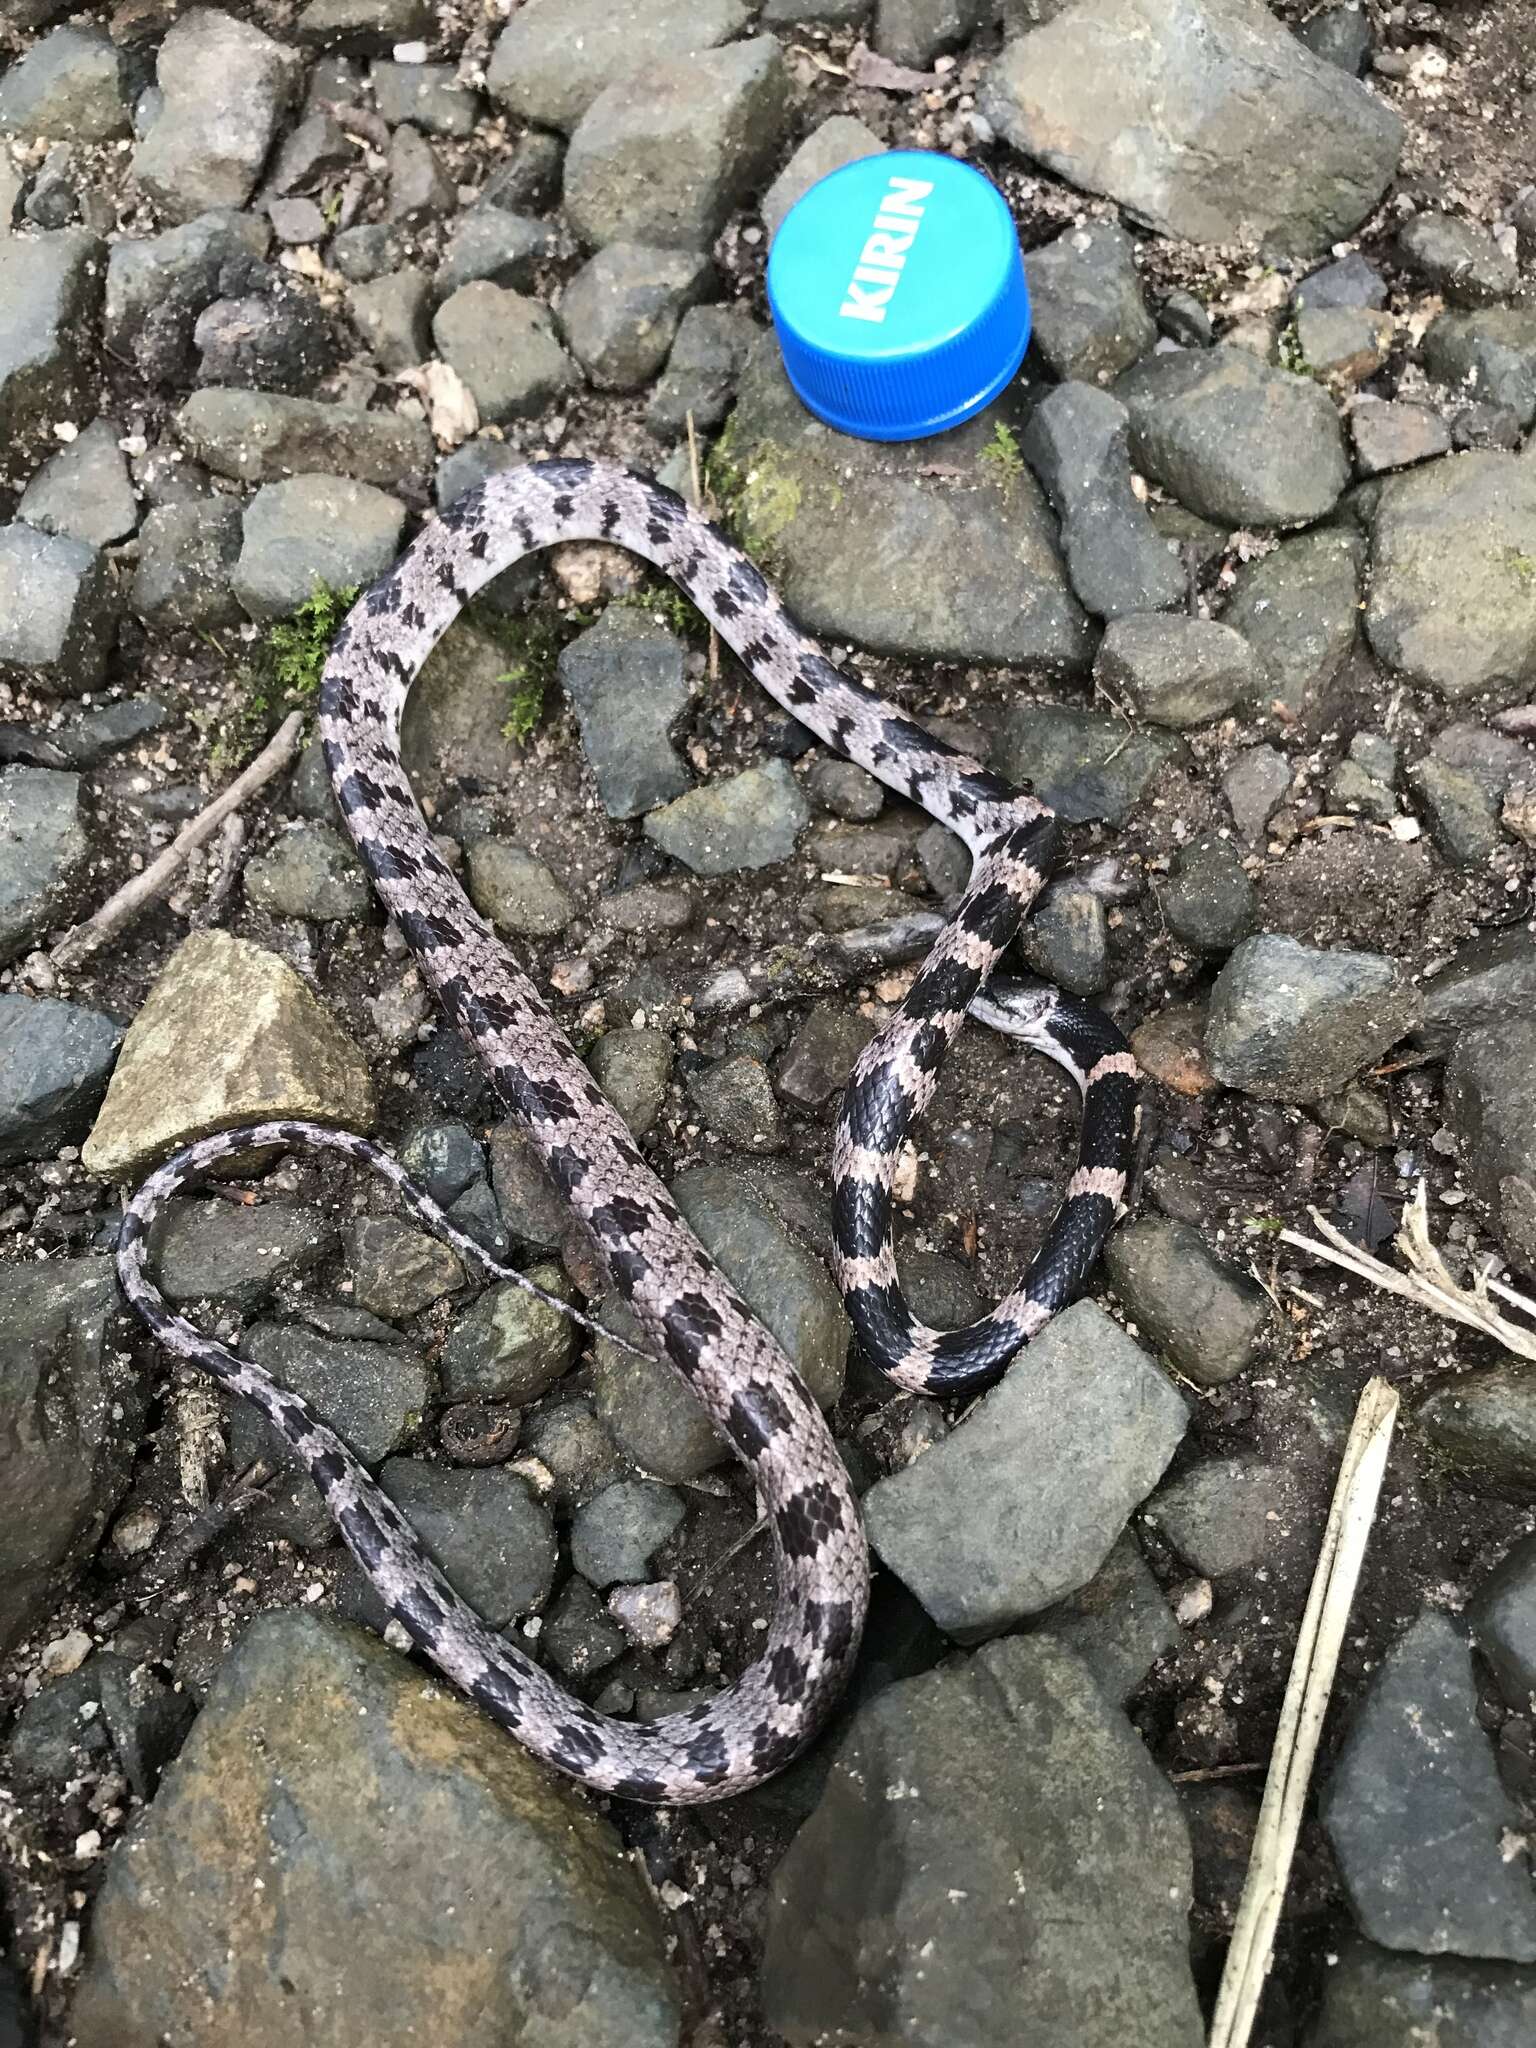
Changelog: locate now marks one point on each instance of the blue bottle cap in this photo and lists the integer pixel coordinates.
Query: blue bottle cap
(897, 289)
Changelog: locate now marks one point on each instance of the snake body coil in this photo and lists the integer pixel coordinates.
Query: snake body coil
(685, 1306)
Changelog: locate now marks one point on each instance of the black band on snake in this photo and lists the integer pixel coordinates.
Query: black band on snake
(685, 1306)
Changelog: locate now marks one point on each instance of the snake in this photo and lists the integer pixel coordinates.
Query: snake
(687, 1309)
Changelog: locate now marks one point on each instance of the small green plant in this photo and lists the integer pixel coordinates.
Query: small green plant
(526, 706)
(1002, 457)
(666, 602)
(533, 646)
(1292, 355)
(296, 647)
(1523, 565)
(1264, 1226)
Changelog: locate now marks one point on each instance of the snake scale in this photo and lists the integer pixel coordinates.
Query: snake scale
(686, 1307)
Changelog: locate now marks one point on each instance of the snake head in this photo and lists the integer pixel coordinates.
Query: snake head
(1016, 1006)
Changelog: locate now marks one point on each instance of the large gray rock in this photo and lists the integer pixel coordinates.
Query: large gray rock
(662, 155)
(1084, 764)
(319, 1755)
(1299, 609)
(1375, 1999)
(1482, 1426)
(488, 244)
(210, 1250)
(43, 851)
(1503, 1617)
(624, 676)
(555, 56)
(730, 827)
(1490, 1102)
(71, 1408)
(1290, 1023)
(1490, 980)
(1416, 1768)
(225, 87)
(1175, 670)
(70, 87)
(83, 492)
(1088, 317)
(313, 532)
(1489, 357)
(1453, 573)
(158, 285)
(505, 348)
(186, 566)
(620, 311)
(1235, 439)
(1031, 1872)
(258, 437)
(1207, 1316)
(1225, 128)
(54, 1063)
(1022, 1502)
(981, 578)
(50, 288)
(58, 611)
(484, 1528)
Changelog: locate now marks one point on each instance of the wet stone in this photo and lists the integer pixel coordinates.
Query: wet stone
(703, 370)
(1088, 317)
(1084, 764)
(531, 1208)
(625, 678)
(50, 286)
(658, 1422)
(517, 891)
(1490, 980)
(366, 253)
(1290, 1022)
(187, 557)
(426, 95)
(71, 84)
(819, 1060)
(393, 315)
(633, 1068)
(225, 87)
(1209, 901)
(397, 1270)
(1119, 1623)
(1210, 1319)
(58, 612)
(1490, 1098)
(420, 190)
(157, 287)
(1483, 1426)
(576, 1449)
(1254, 786)
(484, 1528)
(1503, 1618)
(742, 822)
(1396, 433)
(43, 851)
(375, 1396)
(735, 1099)
(279, 339)
(214, 1251)
(54, 1062)
(1463, 815)
(262, 436)
(616, 1535)
(1489, 356)
(492, 245)
(111, 1710)
(1177, 671)
(510, 1345)
(1374, 1998)
(1066, 939)
(846, 791)
(578, 1635)
(313, 531)
(445, 1158)
(83, 492)
(620, 312)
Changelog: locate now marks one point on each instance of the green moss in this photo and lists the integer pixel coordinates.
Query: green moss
(281, 675)
(759, 494)
(665, 601)
(1001, 456)
(532, 645)
(1522, 565)
(1288, 347)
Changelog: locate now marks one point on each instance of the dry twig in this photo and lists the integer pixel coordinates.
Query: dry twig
(1428, 1281)
(121, 909)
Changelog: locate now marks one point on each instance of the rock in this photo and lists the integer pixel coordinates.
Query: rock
(1177, 671)
(296, 221)
(552, 61)
(43, 852)
(1503, 1618)
(577, 1633)
(158, 286)
(313, 532)
(782, 1283)
(665, 152)
(1463, 815)
(1366, 889)
(1067, 940)
(577, 1450)
(83, 492)
(1457, 259)
(1254, 786)
(1076, 444)
(1416, 1767)
(1483, 1426)
(213, 1251)
(1209, 901)
(186, 566)
(367, 253)
(71, 85)
(455, 714)
(615, 1536)
(1343, 344)
(484, 1528)
(1491, 354)
(71, 1409)
(1119, 1624)
(392, 314)
(1084, 764)
(735, 1099)
(259, 437)
(491, 245)
(375, 1396)
(282, 340)
(1491, 980)
(225, 87)
(1210, 1319)
(1011, 1513)
(913, 32)
(511, 1346)
(312, 871)
(1217, 1515)
(821, 1055)
(620, 311)
(983, 579)
(1299, 609)
(316, 1721)
(427, 95)
(1289, 1023)
(1088, 317)
(633, 1068)
(111, 1712)
(445, 1158)
(1232, 438)
(1173, 140)
(1375, 1999)
(1078, 1821)
(505, 349)
(1394, 434)
(58, 612)
(419, 188)
(50, 286)
(845, 790)
(1453, 573)
(54, 1063)
(744, 821)
(703, 369)
(625, 679)
(1490, 1102)
(530, 1205)
(528, 179)
(228, 1035)
(314, 149)
(840, 139)
(517, 891)
(364, 24)
(657, 1421)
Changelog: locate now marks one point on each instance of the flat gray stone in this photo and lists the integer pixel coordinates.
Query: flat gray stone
(510, 1346)
(1208, 1317)
(1075, 1820)
(50, 288)
(488, 244)
(209, 1250)
(375, 1396)
(393, 315)
(1209, 900)
(1088, 317)
(429, 96)
(1490, 980)
(1489, 357)
(43, 852)
(1173, 138)
(1022, 1502)
(1457, 258)
(1176, 670)
(83, 492)
(186, 566)
(158, 285)
(1218, 1514)
(54, 1063)
(322, 1725)
(493, 1539)
(71, 87)
(1395, 433)
(1299, 609)
(1234, 439)
(555, 56)
(58, 612)
(1490, 1103)
(313, 532)
(615, 1536)
(1417, 1768)
(1503, 1618)
(1482, 1426)
(1290, 1023)
(311, 871)
(620, 311)
(505, 348)
(1373, 1998)
(625, 679)
(1119, 1623)
(517, 891)
(743, 822)
(633, 1067)
(260, 437)
(225, 87)
(1084, 764)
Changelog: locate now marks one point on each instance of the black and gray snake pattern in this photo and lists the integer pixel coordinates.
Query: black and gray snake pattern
(685, 1306)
